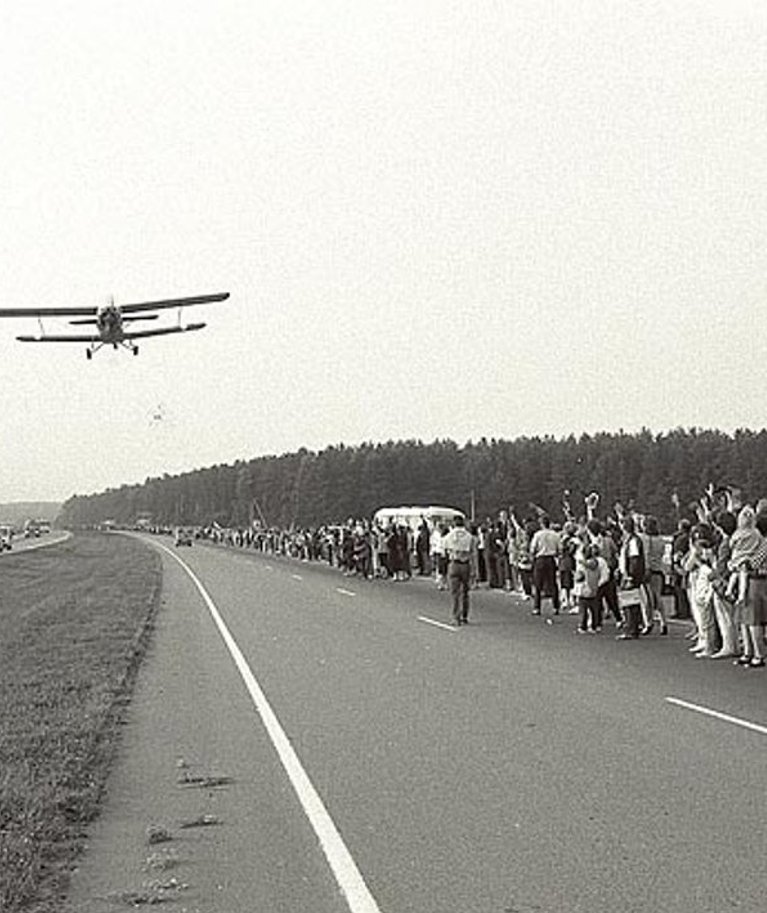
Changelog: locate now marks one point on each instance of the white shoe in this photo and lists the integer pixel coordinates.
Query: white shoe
(704, 654)
(698, 648)
(723, 654)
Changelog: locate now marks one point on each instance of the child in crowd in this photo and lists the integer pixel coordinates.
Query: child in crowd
(591, 573)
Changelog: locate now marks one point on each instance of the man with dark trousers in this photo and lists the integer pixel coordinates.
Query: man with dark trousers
(459, 546)
(545, 549)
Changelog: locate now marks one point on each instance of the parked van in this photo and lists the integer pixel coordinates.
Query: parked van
(414, 516)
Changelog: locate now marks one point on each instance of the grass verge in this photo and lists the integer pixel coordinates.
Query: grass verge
(75, 620)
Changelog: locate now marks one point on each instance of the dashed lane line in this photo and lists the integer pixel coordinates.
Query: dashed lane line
(343, 592)
(717, 714)
(344, 869)
(296, 576)
(438, 624)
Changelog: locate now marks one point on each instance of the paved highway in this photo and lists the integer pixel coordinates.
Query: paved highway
(20, 544)
(378, 761)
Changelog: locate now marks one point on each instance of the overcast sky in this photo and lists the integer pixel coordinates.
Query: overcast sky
(435, 218)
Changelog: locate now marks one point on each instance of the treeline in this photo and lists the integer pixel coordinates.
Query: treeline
(308, 488)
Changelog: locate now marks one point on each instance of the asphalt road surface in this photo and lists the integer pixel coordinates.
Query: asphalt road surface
(374, 760)
(20, 544)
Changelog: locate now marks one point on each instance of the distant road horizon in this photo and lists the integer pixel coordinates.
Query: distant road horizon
(18, 511)
(20, 544)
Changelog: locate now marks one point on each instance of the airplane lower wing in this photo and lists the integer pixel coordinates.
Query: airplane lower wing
(162, 331)
(137, 334)
(46, 338)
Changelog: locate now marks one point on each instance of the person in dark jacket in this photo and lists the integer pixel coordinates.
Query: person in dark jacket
(680, 548)
(608, 591)
(422, 543)
(632, 575)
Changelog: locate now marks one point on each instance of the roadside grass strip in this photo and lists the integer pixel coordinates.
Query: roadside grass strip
(718, 715)
(438, 624)
(74, 625)
(348, 877)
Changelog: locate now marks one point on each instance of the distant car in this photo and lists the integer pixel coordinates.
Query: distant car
(6, 538)
(184, 536)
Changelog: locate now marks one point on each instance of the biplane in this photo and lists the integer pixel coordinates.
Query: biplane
(111, 322)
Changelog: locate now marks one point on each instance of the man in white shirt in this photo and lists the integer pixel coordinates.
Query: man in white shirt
(545, 548)
(438, 556)
(460, 546)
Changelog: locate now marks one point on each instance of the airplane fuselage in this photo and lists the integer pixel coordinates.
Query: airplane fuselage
(109, 322)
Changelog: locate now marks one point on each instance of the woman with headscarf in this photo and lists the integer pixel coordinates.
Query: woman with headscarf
(748, 565)
(744, 546)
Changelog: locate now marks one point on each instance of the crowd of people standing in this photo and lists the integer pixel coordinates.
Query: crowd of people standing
(618, 568)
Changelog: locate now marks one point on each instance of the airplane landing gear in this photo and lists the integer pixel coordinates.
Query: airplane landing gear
(135, 350)
(88, 354)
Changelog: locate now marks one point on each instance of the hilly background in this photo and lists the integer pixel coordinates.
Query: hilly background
(19, 511)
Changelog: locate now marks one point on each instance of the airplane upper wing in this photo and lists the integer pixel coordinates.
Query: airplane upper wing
(173, 303)
(124, 308)
(49, 312)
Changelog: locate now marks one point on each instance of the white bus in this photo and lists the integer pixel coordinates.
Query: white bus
(414, 516)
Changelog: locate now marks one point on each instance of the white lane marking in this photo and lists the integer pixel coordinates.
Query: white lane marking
(343, 592)
(746, 724)
(296, 576)
(343, 866)
(438, 624)
(268, 567)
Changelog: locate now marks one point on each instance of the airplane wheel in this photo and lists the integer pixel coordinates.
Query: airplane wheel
(135, 351)
(88, 354)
